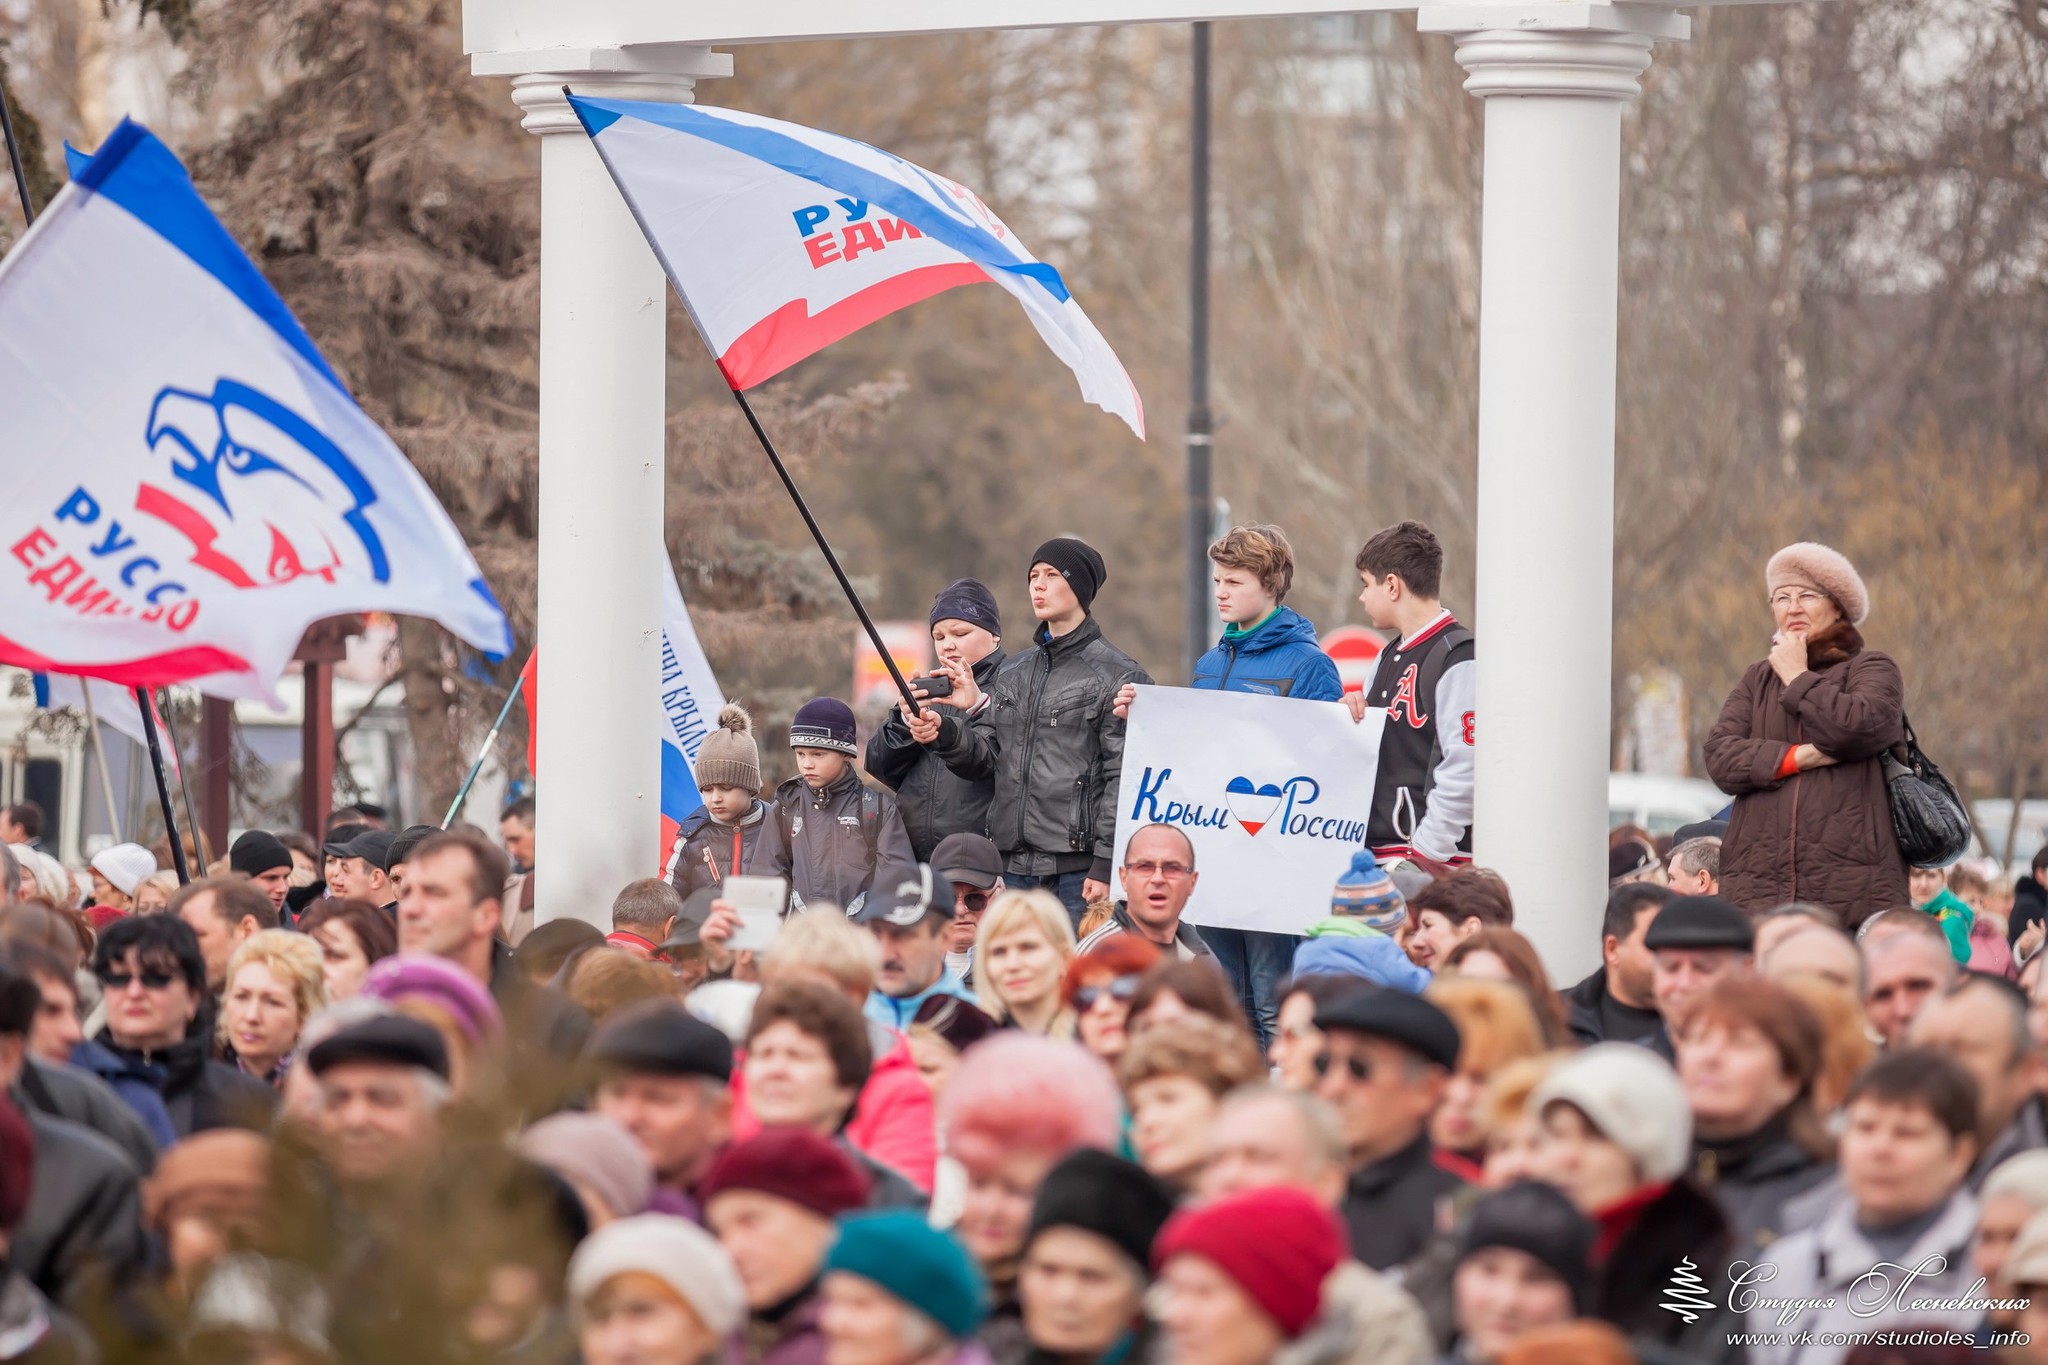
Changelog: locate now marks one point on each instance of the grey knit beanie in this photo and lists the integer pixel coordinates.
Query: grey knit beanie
(729, 757)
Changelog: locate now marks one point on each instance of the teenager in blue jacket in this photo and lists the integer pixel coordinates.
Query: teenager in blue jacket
(1269, 649)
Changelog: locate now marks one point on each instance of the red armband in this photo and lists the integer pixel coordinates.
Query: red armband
(1790, 766)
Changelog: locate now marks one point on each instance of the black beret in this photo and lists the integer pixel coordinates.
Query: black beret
(1398, 1017)
(957, 1021)
(1700, 922)
(1123, 1204)
(662, 1037)
(392, 1039)
(1700, 829)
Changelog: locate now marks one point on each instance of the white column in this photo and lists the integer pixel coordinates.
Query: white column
(603, 353)
(1548, 281)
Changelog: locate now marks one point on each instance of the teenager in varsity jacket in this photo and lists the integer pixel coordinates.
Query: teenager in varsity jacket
(734, 831)
(1426, 680)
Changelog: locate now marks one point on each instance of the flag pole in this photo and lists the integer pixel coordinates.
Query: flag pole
(185, 785)
(163, 787)
(99, 753)
(817, 533)
(483, 752)
(156, 757)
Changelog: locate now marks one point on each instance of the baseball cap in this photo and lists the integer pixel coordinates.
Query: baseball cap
(373, 846)
(970, 859)
(907, 903)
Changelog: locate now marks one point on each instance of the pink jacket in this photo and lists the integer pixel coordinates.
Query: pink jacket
(893, 1120)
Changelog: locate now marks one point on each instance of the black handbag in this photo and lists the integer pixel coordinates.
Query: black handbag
(1928, 816)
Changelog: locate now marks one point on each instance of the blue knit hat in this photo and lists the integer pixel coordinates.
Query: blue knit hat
(913, 1261)
(824, 723)
(1365, 892)
(969, 600)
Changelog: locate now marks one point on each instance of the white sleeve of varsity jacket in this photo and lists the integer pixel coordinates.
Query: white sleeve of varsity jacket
(1449, 812)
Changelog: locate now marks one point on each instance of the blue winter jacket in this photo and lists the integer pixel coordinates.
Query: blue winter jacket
(1279, 659)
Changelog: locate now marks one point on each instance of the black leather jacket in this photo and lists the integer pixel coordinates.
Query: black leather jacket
(935, 801)
(1050, 741)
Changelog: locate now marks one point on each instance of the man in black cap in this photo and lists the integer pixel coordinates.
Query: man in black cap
(970, 864)
(401, 849)
(966, 629)
(262, 857)
(910, 928)
(1694, 942)
(382, 1085)
(1047, 735)
(1618, 1002)
(664, 1075)
(359, 874)
(1386, 1059)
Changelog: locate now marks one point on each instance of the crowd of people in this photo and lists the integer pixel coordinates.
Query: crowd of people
(990, 1094)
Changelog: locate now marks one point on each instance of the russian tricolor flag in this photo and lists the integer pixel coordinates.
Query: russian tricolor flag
(782, 239)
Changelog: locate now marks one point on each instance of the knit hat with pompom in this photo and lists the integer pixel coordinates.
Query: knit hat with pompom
(729, 757)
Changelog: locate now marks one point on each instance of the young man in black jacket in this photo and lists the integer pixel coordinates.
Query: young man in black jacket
(936, 802)
(1047, 735)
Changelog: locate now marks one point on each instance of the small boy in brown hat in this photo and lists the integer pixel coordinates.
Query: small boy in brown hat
(734, 831)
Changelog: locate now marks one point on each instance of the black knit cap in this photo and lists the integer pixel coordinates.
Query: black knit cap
(1700, 922)
(662, 1038)
(969, 600)
(1398, 1017)
(389, 1039)
(257, 852)
(1123, 1204)
(824, 723)
(402, 846)
(1538, 1221)
(1078, 564)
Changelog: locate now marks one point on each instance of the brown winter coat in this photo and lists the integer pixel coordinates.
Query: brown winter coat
(1823, 836)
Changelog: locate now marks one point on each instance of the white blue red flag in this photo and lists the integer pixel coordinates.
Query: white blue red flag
(690, 701)
(782, 239)
(188, 484)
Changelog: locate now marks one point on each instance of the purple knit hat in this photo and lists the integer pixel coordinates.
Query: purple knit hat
(436, 980)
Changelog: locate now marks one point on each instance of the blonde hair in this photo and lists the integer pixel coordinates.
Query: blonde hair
(1008, 913)
(293, 958)
(1208, 1051)
(166, 882)
(604, 979)
(1845, 1047)
(827, 942)
(1507, 1094)
(1496, 1024)
(1261, 551)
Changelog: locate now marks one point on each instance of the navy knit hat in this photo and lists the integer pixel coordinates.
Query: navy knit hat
(914, 1262)
(1538, 1221)
(969, 600)
(824, 723)
(1078, 564)
(257, 852)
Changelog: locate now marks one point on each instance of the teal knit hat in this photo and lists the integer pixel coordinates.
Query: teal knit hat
(927, 1269)
(1365, 892)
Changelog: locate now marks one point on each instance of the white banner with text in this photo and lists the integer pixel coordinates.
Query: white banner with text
(1274, 793)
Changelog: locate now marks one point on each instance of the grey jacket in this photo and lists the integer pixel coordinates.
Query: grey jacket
(1367, 1319)
(1826, 1260)
(1050, 741)
(845, 840)
(84, 1210)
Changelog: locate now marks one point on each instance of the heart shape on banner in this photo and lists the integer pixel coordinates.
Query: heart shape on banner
(1253, 806)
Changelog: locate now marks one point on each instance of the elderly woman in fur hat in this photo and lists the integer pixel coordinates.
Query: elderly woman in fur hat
(1799, 744)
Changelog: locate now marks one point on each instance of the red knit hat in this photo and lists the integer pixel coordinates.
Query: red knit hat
(17, 1165)
(1278, 1245)
(796, 1164)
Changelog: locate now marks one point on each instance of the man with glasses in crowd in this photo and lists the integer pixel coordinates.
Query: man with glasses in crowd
(1158, 875)
(970, 864)
(1386, 1059)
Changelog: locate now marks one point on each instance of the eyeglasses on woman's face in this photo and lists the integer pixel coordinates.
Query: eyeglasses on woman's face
(1785, 599)
(1120, 989)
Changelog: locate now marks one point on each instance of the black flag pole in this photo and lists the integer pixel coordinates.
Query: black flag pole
(817, 533)
(163, 786)
(185, 783)
(156, 755)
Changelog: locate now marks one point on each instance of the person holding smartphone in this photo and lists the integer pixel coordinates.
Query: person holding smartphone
(967, 630)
